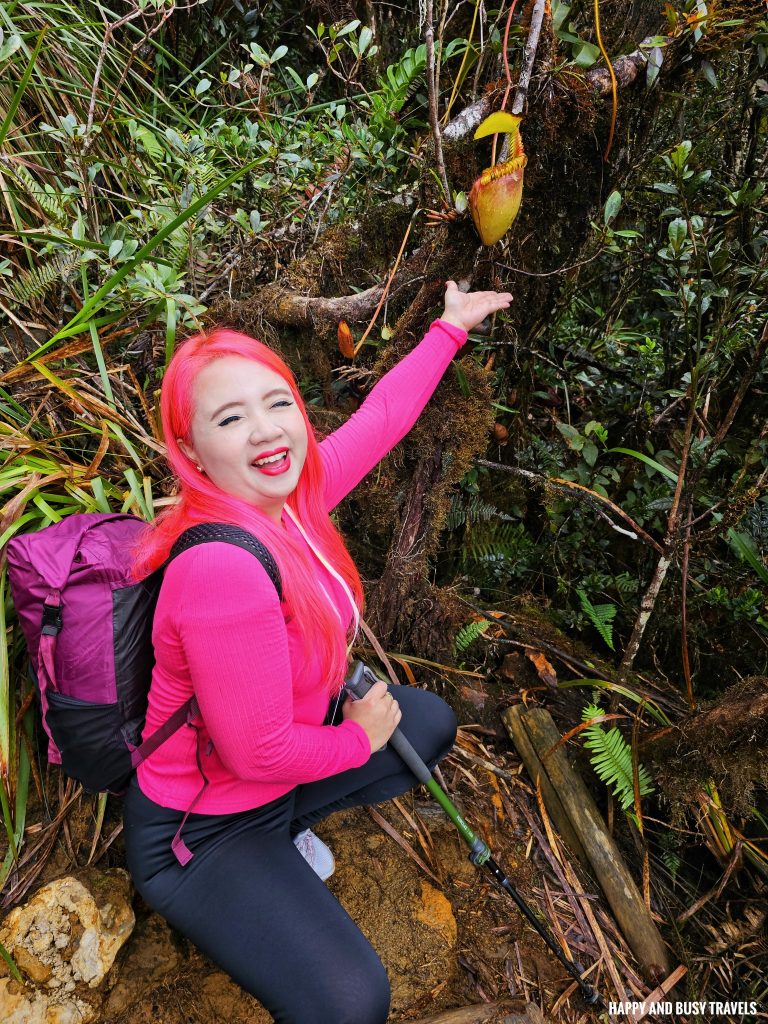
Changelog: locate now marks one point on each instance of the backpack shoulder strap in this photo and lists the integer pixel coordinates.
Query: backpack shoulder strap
(204, 533)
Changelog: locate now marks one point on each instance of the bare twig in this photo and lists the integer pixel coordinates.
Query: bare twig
(429, 38)
(648, 601)
(568, 487)
(746, 381)
(529, 57)
(626, 70)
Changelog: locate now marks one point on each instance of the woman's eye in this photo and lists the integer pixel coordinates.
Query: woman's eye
(283, 402)
(228, 419)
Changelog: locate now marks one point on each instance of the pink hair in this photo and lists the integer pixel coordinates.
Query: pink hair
(201, 500)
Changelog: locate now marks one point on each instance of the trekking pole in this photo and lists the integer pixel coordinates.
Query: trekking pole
(357, 685)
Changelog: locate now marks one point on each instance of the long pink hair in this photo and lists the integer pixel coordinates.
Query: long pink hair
(200, 500)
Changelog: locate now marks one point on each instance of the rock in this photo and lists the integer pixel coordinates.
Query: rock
(64, 939)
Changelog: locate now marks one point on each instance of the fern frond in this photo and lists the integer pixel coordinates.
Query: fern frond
(402, 79)
(475, 510)
(469, 633)
(625, 583)
(612, 760)
(33, 284)
(51, 202)
(496, 542)
(600, 615)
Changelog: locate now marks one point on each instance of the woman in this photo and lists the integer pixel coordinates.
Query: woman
(218, 820)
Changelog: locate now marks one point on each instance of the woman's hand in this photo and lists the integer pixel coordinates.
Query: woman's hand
(377, 712)
(468, 309)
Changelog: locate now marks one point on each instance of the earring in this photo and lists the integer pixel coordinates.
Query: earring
(201, 470)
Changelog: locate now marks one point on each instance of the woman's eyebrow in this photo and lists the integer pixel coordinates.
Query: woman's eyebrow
(269, 394)
(221, 408)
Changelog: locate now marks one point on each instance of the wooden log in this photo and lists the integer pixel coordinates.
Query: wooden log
(631, 913)
(474, 1014)
(512, 718)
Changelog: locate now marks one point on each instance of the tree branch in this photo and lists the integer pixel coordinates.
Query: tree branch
(429, 38)
(626, 69)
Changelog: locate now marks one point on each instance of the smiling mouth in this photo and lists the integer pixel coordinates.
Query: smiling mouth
(271, 460)
(275, 464)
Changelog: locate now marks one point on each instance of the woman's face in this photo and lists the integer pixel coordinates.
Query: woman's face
(247, 433)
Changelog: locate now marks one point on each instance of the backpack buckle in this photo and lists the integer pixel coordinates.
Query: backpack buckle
(52, 622)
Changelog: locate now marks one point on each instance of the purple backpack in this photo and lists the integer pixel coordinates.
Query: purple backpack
(88, 627)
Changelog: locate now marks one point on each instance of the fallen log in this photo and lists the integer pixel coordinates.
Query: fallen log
(513, 720)
(608, 867)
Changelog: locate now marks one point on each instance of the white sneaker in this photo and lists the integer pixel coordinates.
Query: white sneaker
(315, 853)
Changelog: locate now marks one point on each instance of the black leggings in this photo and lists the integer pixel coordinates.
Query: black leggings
(250, 901)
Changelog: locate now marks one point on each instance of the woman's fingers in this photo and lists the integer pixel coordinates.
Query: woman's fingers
(378, 712)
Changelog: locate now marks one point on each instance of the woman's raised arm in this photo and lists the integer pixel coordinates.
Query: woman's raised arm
(397, 400)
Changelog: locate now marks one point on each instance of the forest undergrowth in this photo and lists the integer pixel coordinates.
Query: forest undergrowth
(602, 507)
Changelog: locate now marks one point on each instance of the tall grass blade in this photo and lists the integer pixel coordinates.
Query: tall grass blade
(14, 104)
(647, 460)
(6, 714)
(744, 546)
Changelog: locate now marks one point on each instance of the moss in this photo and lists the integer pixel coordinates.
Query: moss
(702, 751)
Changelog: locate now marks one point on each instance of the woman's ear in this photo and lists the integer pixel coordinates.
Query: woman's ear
(187, 450)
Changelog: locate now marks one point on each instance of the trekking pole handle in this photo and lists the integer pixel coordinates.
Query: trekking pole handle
(357, 685)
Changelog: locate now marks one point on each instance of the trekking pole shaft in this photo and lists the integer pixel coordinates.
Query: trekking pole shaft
(357, 686)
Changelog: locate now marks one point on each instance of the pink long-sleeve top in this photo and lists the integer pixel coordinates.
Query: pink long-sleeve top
(220, 632)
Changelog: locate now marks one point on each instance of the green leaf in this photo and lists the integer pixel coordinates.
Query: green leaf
(612, 207)
(16, 100)
(279, 53)
(5, 955)
(745, 547)
(709, 73)
(560, 12)
(349, 27)
(295, 76)
(573, 438)
(259, 55)
(655, 60)
(461, 378)
(679, 155)
(647, 460)
(364, 39)
(202, 86)
(9, 46)
(677, 232)
(589, 453)
(612, 760)
(586, 55)
(469, 633)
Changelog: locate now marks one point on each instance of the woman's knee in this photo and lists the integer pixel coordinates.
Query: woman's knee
(358, 994)
(429, 722)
